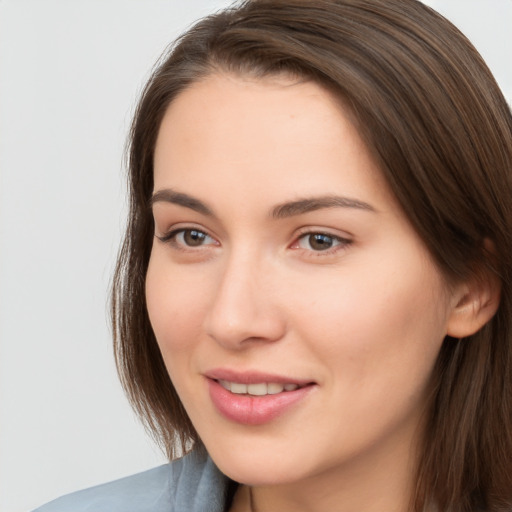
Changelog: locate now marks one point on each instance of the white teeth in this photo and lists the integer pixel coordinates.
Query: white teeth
(258, 389)
(273, 388)
(239, 389)
(225, 384)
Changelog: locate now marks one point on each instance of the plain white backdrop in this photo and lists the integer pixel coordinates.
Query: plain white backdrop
(70, 73)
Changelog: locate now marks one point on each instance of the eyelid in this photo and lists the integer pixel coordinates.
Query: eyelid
(344, 241)
(169, 237)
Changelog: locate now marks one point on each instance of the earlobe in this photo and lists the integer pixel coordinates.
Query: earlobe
(475, 303)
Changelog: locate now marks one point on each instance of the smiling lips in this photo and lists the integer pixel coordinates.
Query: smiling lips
(253, 399)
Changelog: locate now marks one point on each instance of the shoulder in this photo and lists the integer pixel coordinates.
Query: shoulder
(192, 484)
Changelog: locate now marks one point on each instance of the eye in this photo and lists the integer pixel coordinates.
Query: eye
(320, 242)
(192, 237)
(185, 238)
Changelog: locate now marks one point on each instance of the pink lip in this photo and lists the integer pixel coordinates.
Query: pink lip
(252, 377)
(253, 410)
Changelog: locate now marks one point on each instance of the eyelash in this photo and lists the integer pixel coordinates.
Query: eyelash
(340, 242)
(171, 237)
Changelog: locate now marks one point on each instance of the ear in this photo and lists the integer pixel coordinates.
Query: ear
(476, 300)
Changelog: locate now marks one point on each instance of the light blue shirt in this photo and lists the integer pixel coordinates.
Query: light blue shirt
(190, 484)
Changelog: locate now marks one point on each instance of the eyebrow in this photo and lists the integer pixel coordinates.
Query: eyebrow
(168, 195)
(281, 211)
(301, 206)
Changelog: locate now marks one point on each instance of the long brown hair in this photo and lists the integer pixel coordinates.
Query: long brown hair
(440, 129)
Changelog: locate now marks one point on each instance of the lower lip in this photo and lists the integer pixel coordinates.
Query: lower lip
(254, 410)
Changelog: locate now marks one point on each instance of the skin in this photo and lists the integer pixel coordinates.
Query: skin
(364, 319)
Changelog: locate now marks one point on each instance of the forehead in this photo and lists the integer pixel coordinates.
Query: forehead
(253, 133)
(234, 102)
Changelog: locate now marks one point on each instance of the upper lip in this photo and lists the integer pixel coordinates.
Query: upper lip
(253, 377)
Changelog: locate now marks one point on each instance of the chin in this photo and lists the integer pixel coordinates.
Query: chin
(258, 463)
(257, 473)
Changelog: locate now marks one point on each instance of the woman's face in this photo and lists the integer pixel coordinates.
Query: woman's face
(298, 313)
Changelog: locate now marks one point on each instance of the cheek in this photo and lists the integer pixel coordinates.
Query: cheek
(174, 304)
(385, 317)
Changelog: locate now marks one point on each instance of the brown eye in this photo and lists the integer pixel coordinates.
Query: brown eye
(317, 241)
(321, 242)
(193, 237)
(183, 238)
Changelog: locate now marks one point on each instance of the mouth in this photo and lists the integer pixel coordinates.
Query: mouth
(258, 388)
(255, 398)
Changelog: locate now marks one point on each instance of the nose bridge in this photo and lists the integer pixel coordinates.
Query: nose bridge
(242, 307)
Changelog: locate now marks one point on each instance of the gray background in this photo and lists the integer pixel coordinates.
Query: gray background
(70, 72)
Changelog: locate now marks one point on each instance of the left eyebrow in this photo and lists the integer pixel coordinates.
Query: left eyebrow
(311, 204)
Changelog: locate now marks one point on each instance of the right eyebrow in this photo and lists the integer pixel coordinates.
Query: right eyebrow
(168, 195)
(311, 204)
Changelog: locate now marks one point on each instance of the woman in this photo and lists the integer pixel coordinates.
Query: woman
(313, 295)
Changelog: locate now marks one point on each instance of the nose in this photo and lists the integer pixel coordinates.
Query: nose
(244, 308)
